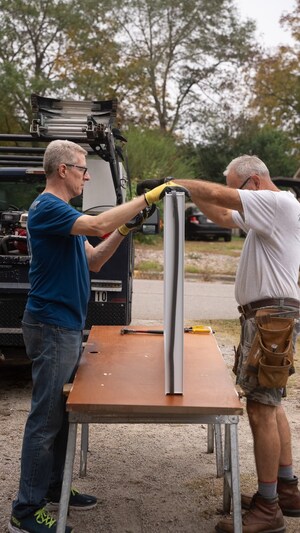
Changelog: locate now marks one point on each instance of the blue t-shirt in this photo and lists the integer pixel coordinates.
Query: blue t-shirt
(59, 273)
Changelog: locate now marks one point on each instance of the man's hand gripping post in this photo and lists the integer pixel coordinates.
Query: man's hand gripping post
(158, 189)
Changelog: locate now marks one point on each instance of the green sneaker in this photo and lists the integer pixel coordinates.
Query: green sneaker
(39, 522)
(77, 501)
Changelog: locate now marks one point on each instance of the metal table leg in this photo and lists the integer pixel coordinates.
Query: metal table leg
(231, 474)
(235, 479)
(214, 435)
(84, 449)
(219, 450)
(66, 487)
(210, 438)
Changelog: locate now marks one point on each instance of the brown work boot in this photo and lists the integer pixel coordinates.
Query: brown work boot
(288, 497)
(263, 516)
(246, 500)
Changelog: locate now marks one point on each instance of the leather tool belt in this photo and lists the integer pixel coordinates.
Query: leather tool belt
(271, 355)
(249, 310)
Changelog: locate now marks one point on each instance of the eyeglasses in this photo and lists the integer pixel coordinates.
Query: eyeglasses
(84, 169)
(245, 182)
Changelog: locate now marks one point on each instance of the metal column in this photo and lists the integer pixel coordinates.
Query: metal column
(173, 291)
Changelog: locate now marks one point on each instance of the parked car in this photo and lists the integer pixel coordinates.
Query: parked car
(198, 226)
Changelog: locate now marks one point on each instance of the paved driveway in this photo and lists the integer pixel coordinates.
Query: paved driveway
(202, 300)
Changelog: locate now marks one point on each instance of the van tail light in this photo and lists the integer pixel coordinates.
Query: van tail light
(194, 220)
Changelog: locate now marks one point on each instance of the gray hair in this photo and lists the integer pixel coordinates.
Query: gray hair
(58, 152)
(245, 165)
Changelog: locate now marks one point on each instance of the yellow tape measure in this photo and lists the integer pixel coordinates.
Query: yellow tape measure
(199, 329)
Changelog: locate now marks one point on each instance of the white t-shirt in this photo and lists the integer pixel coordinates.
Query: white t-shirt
(270, 259)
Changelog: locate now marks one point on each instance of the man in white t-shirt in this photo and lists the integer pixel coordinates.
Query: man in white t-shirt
(267, 276)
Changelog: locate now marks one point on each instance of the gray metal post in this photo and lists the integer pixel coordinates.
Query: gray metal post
(173, 291)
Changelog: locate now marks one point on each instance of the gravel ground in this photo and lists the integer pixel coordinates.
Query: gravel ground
(148, 478)
(205, 265)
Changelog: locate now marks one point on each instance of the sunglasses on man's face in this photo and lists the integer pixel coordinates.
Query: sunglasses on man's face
(245, 182)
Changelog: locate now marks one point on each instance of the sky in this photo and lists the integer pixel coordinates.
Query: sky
(267, 13)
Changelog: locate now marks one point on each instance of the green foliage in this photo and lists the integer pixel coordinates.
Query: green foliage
(276, 95)
(276, 89)
(181, 55)
(150, 240)
(154, 154)
(172, 65)
(272, 145)
(146, 266)
(158, 57)
(45, 47)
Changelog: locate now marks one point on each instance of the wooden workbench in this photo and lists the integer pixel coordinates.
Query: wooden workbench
(121, 380)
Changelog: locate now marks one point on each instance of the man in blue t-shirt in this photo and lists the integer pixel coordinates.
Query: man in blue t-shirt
(61, 258)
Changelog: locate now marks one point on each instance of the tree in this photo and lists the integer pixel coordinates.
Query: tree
(154, 154)
(181, 56)
(273, 146)
(30, 33)
(35, 40)
(170, 63)
(276, 88)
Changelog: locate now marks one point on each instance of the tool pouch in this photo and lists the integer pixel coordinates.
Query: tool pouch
(271, 354)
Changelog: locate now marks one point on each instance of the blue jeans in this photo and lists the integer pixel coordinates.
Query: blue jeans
(55, 354)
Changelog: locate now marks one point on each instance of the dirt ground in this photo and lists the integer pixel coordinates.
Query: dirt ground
(148, 478)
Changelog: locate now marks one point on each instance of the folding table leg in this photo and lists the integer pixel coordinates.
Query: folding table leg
(232, 490)
(235, 479)
(227, 472)
(214, 435)
(219, 450)
(66, 487)
(84, 449)
(210, 438)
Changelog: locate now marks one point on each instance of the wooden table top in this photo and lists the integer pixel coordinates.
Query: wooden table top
(125, 373)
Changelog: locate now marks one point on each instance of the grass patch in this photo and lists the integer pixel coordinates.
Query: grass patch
(232, 248)
(156, 242)
(146, 266)
(228, 331)
(228, 327)
(192, 269)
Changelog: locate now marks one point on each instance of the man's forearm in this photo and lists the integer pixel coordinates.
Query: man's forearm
(213, 193)
(97, 225)
(99, 255)
(215, 200)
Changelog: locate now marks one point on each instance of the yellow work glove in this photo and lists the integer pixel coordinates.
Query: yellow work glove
(159, 192)
(144, 185)
(137, 221)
